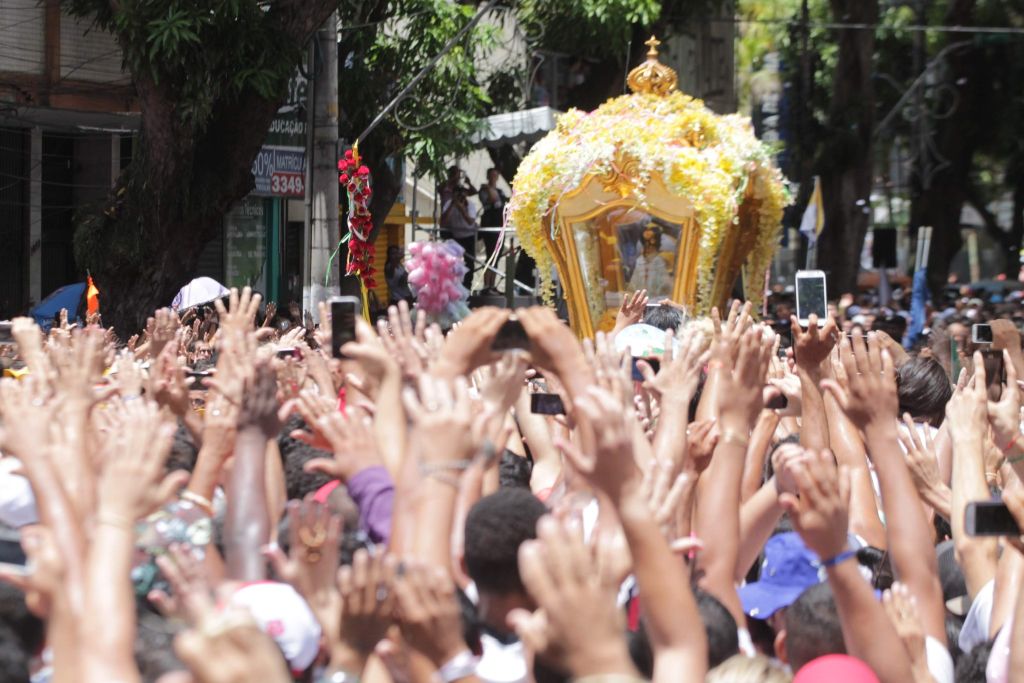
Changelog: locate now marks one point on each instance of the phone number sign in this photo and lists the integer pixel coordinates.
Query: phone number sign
(280, 172)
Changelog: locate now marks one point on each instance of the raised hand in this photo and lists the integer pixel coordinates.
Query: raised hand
(901, 607)
(161, 330)
(132, 483)
(736, 323)
(240, 315)
(701, 440)
(259, 404)
(350, 438)
(610, 467)
(922, 461)
(428, 612)
(368, 601)
(404, 342)
(441, 414)
(744, 360)
(312, 562)
(680, 372)
(870, 396)
(813, 346)
(469, 345)
(577, 627)
(632, 310)
(967, 410)
(820, 514)
(1004, 414)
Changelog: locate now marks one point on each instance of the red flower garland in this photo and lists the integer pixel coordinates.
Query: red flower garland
(355, 178)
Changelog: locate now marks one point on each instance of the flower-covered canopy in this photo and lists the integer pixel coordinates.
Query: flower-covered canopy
(651, 190)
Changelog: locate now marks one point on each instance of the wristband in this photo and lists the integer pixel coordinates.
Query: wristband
(201, 502)
(462, 665)
(839, 559)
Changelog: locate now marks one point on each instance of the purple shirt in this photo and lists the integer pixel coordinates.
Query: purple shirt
(374, 494)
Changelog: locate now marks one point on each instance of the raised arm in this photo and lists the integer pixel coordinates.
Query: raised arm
(871, 404)
(744, 359)
(247, 524)
(811, 351)
(820, 515)
(966, 414)
(673, 622)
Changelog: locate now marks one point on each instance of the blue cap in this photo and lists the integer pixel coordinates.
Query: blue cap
(789, 568)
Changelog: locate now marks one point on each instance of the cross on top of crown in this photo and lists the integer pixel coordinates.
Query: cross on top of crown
(653, 43)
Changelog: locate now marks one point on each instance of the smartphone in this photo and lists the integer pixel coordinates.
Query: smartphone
(197, 378)
(811, 298)
(653, 362)
(511, 336)
(12, 557)
(344, 310)
(546, 404)
(981, 333)
(289, 353)
(778, 402)
(989, 518)
(954, 360)
(6, 333)
(995, 369)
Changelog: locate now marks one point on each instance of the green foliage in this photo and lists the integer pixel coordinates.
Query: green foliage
(197, 52)
(588, 28)
(379, 58)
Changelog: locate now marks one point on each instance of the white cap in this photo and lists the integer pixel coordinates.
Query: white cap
(284, 616)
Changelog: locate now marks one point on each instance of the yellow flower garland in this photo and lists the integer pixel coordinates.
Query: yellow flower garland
(708, 159)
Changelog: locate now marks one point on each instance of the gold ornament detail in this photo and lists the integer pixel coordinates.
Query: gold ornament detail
(652, 77)
(620, 179)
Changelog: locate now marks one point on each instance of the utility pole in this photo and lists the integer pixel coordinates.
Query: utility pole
(320, 273)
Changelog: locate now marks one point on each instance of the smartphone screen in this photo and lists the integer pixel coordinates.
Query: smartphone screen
(6, 333)
(989, 518)
(511, 336)
(810, 295)
(981, 333)
(653, 362)
(546, 404)
(343, 322)
(289, 353)
(995, 370)
(954, 360)
(777, 402)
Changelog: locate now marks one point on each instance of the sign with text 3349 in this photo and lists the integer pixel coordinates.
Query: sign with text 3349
(280, 171)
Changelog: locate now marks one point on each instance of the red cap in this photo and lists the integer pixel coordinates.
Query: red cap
(836, 669)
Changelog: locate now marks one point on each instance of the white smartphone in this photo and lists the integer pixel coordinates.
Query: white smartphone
(811, 298)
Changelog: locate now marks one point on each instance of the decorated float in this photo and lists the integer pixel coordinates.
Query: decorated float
(654, 191)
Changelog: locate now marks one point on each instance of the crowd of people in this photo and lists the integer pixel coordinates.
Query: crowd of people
(222, 501)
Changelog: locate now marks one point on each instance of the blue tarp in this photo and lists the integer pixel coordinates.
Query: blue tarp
(68, 296)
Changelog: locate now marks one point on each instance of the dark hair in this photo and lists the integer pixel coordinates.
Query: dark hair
(514, 470)
(495, 528)
(723, 639)
(29, 629)
(970, 668)
(294, 455)
(183, 451)
(924, 390)
(154, 648)
(812, 627)
(14, 660)
(663, 317)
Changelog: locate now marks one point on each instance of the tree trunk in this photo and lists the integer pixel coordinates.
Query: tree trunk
(938, 203)
(171, 200)
(847, 162)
